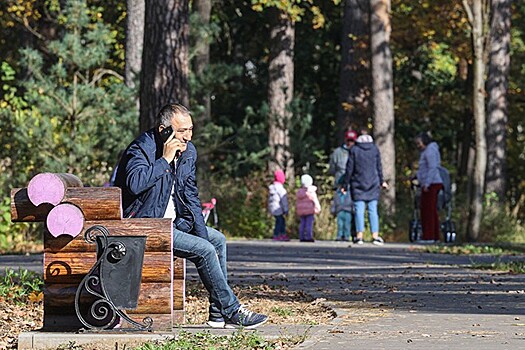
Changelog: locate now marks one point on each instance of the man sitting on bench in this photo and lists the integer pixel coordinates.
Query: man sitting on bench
(157, 176)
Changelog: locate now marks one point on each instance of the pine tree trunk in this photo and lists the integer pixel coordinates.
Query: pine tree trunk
(497, 105)
(280, 92)
(134, 39)
(201, 60)
(164, 74)
(476, 16)
(383, 95)
(354, 77)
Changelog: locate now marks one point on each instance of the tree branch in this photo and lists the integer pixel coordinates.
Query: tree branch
(468, 10)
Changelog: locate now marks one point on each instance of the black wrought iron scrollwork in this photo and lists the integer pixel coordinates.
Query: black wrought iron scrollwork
(103, 313)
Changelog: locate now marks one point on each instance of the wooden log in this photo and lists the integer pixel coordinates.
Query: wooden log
(97, 203)
(158, 232)
(70, 268)
(50, 187)
(154, 298)
(65, 219)
(23, 210)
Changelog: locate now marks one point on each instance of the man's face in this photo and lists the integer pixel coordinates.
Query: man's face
(182, 127)
(350, 143)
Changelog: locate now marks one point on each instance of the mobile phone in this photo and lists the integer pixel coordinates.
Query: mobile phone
(165, 133)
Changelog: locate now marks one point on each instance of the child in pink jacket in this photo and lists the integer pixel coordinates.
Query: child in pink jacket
(306, 206)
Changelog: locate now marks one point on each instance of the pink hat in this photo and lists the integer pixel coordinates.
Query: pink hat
(350, 135)
(279, 176)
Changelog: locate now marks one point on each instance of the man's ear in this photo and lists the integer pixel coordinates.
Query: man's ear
(161, 127)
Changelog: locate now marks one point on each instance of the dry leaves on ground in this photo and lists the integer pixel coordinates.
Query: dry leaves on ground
(283, 307)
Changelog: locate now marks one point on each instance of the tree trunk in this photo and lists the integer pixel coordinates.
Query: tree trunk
(164, 74)
(354, 78)
(280, 91)
(134, 39)
(476, 19)
(383, 95)
(201, 60)
(497, 85)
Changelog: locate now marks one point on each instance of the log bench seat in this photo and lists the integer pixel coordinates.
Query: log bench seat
(68, 257)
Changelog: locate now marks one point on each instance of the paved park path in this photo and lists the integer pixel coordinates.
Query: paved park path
(388, 297)
(393, 296)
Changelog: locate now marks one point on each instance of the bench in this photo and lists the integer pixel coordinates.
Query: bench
(68, 212)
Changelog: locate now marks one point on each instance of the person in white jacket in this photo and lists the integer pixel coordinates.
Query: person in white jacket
(431, 183)
(278, 205)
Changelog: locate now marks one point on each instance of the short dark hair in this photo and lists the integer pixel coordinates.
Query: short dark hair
(424, 137)
(170, 110)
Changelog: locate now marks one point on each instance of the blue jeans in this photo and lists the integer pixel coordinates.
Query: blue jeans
(280, 226)
(373, 217)
(210, 259)
(344, 224)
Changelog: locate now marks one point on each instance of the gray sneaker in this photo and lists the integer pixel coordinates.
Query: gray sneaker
(215, 321)
(244, 318)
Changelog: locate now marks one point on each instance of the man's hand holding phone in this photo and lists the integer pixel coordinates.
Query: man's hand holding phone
(173, 148)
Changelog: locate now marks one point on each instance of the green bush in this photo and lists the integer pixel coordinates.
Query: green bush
(20, 287)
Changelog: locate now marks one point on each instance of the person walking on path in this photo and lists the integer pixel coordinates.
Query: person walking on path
(278, 205)
(343, 208)
(157, 177)
(364, 178)
(306, 206)
(431, 183)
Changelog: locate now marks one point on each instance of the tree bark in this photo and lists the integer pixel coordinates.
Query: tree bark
(354, 77)
(383, 95)
(164, 73)
(201, 61)
(476, 17)
(497, 105)
(280, 91)
(134, 40)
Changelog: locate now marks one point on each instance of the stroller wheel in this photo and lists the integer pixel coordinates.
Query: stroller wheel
(414, 230)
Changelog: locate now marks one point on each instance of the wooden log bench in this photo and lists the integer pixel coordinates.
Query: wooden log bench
(68, 257)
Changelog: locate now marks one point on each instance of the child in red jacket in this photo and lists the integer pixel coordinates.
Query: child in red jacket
(306, 206)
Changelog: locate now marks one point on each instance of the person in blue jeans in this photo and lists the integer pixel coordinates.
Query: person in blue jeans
(364, 178)
(157, 176)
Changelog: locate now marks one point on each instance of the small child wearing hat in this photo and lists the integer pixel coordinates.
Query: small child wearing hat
(306, 206)
(278, 205)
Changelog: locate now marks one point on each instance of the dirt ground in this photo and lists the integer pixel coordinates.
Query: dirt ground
(283, 307)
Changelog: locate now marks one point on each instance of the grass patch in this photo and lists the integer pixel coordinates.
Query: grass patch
(468, 249)
(512, 267)
(247, 340)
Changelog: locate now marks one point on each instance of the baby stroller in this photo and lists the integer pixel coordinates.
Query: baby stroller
(445, 196)
(207, 209)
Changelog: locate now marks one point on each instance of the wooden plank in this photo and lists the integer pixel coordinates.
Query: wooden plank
(72, 267)
(179, 294)
(97, 203)
(158, 231)
(179, 268)
(154, 298)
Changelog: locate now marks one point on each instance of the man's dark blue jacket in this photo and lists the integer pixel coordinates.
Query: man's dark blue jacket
(146, 179)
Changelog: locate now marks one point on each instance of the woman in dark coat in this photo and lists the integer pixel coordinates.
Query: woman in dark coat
(364, 176)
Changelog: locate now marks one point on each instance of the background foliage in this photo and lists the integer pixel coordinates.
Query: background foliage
(64, 106)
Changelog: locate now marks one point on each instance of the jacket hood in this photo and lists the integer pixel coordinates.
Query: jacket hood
(432, 146)
(365, 145)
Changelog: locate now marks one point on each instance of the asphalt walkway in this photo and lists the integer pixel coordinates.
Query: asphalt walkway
(386, 297)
